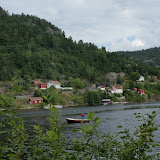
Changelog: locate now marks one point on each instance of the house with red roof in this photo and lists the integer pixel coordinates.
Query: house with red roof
(102, 88)
(36, 82)
(56, 84)
(116, 89)
(35, 100)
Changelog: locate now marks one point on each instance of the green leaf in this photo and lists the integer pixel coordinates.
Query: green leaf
(36, 127)
(90, 116)
(87, 128)
(97, 122)
(45, 97)
(49, 133)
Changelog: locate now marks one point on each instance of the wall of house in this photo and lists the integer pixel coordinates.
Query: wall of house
(35, 102)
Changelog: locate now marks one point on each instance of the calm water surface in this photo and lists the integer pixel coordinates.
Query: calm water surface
(111, 115)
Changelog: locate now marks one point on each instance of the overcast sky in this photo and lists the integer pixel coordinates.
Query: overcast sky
(119, 25)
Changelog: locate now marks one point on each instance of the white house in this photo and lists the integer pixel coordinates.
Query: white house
(141, 79)
(102, 88)
(116, 89)
(56, 84)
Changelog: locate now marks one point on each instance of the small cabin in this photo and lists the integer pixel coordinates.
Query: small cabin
(35, 100)
(106, 101)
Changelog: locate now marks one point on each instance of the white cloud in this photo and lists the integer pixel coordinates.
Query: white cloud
(101, 22)
(137, 43)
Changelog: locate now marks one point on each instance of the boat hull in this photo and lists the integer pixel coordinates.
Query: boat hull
(71, 120)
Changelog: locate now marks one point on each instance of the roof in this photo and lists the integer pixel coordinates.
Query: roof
(36, 81)
(36, 98)
(142, 90)
(118, 87)
(101, 86)
(55, 82)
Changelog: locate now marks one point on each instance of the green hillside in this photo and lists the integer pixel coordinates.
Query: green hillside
(31, 47)
(149, 56)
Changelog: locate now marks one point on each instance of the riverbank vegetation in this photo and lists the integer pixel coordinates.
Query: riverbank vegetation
(48, 144)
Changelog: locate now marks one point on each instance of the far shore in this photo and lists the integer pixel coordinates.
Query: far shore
(65, 106)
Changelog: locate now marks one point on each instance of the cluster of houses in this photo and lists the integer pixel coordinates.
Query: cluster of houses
(117, 90)
(39, 84)
(48, 84)
(57, 85)
(114, 89)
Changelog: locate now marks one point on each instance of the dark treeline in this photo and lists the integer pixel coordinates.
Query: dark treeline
(34, 48)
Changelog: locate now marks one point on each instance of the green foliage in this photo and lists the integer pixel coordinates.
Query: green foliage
(6, 102)
(114, 98)
(134, 76)
(94, 98)
(34, 48)
(77, 83)
(49, 95)
(14, 138)
(120, 80)
(144, 58)
(133, 97)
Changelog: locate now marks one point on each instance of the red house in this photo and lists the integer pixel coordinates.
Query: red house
(141, 91)
(36, 82)
(35, 100)
(154, 77)
(42, 85)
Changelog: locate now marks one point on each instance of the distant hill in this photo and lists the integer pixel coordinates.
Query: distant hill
(149, 56)
(31, 47)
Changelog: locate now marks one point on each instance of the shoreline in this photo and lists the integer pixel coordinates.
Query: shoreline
(67, 106)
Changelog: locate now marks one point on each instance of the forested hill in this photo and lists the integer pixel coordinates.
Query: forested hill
(149, 56)
(31, 47)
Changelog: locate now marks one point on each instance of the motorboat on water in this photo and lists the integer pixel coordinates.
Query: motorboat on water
(72, 120)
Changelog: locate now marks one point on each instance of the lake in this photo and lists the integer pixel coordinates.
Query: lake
(111, 115)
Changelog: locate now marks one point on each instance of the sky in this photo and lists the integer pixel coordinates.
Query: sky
(118, 25)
